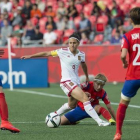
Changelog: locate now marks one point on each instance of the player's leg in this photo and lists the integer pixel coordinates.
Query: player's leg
(73, 116)
(5, 124)
(79, 95)
(105, 113)
(67, 106)
(129, 90)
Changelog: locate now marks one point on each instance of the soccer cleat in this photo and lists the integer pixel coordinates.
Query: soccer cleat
(117, 136)
(112, 122)
(104, 123)
(5, 125)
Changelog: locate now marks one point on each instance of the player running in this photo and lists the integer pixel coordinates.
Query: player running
(70, 59)
(5, 124)
(94, 91)
(130, 45)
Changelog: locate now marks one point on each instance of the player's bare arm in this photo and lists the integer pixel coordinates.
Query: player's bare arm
(85, 70)
(41, 54)
(1, 52)
(111, 110)
(123, 57)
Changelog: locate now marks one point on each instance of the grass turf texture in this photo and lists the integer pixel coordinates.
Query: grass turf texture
(28, 111)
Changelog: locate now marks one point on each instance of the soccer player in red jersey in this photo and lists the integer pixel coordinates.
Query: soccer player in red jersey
(5, 124)
(94, 91)
(130, 45)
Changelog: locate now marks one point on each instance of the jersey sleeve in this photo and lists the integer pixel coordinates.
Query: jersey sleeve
(85, 86)
(125, 42)
(105, 98)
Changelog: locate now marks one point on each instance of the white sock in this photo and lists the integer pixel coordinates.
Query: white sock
(64, 108)
(91, 112)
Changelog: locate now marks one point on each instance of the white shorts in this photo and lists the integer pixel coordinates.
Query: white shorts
(68, 86)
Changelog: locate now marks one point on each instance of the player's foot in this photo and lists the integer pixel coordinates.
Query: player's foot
(117, 136)
(112, 122)
(104, 123)
(5, 125)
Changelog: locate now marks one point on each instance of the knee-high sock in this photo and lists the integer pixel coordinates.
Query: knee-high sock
(121, 111)
(105, 113)
(64, 108)
(3, 107)
(91, 112)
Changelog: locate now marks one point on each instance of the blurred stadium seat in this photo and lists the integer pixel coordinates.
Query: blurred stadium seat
(98, 38)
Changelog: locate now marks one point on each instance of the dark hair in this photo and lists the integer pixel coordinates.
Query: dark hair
(49, 7)
(135, 15)
(35, 5)
(75, 35)
(66, 16)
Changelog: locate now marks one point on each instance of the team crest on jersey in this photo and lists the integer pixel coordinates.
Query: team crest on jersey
(79, 57)
(71, 83)
(68, 56)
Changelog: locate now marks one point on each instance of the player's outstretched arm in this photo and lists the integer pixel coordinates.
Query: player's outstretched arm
(85, 70)
(41, 54)
(111, 110)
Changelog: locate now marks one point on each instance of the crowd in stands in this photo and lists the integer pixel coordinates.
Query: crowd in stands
(47, 22)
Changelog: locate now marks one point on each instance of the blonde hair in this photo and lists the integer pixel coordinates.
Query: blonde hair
(100, 78)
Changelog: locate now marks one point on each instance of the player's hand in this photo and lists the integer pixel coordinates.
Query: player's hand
(1, 52)
(87, 79)
(125, 65)
(88, 94)
(26, 57)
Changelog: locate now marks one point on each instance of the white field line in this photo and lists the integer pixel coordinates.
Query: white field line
(80, 122)
(59, 96)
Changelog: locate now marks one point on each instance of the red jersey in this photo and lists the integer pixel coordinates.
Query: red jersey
(88, 87)
(131, 41)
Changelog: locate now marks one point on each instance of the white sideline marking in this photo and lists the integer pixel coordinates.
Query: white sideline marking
(59, 96)
(80, 122)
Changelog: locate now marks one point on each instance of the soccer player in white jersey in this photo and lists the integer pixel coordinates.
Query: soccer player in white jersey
(70, 59)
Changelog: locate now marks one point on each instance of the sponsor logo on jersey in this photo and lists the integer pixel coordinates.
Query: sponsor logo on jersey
(71, 84)
(79, 57)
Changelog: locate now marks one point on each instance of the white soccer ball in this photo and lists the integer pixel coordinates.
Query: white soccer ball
(53, 120)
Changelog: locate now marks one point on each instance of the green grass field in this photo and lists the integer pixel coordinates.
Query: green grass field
(29, 107)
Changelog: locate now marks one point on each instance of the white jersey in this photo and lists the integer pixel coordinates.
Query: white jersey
(70, 64)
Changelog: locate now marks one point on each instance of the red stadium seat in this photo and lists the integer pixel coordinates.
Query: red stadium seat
(119, 2)
(107, 2)
(98, 38)
(125, 7)
(79, 8)
(135, 5)
(42, 22)
(59, 36)
(102, 19)
(100, 27)
(129, 1)
(92, 20)
(88, 9)
(34, 21)
(68, 32)
(77, 21)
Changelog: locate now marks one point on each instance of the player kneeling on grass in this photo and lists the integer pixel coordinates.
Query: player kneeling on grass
(94, 91)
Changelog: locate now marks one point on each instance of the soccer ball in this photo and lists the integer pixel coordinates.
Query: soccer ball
(53, 120)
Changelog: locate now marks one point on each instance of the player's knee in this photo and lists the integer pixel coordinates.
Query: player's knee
(72, 106)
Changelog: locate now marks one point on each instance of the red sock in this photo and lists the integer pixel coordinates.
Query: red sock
(120, 117)
(105, 113)
(3, 107)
